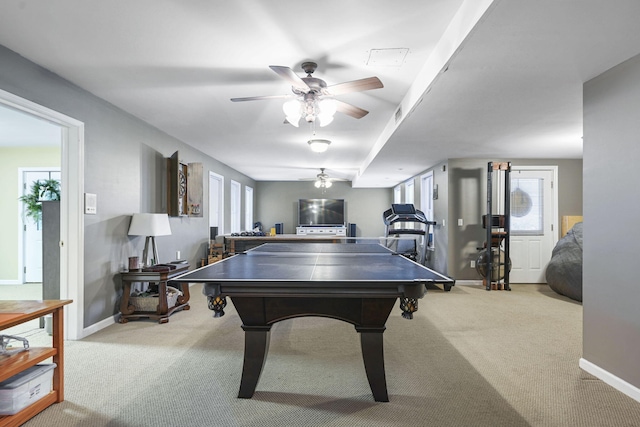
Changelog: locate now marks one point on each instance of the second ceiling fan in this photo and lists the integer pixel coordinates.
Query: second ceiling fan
(312, 99)
(323, 180)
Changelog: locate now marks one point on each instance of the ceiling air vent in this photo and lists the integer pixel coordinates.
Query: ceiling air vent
(389, 57)
(398, 114)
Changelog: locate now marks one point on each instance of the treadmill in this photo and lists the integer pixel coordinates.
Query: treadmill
(402, 213)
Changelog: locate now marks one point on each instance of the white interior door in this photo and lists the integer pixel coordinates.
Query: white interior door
(533, 213)
(426, 202)
(234, 205)
(216, 197)
(32, 230)
(426, 195)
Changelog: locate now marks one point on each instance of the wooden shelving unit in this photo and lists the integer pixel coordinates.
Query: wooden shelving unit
(13, 313)
(215, 254)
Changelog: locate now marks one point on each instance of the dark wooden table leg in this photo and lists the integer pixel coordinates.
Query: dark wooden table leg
(373, 356)
(125, 308)
(163, 307)
(184, 298)
(256, 347)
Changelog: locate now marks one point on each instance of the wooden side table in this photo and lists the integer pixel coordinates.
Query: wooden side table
(161, 278)
(13, 313)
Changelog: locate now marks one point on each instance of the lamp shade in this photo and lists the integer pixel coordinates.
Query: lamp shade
(149, 224)
(292, 111)
(327, 110)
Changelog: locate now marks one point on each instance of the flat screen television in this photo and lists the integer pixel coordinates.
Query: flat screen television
(321, 212)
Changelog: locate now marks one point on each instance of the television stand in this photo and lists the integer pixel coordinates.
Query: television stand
(322, 231)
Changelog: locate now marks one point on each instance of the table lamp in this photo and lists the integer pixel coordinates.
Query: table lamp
(150, 225)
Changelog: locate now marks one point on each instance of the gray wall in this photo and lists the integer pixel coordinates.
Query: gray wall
(611, 203)
(277, 201)
(438, 259)
(124, 166)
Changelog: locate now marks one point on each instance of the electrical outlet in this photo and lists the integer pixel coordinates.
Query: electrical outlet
(473, 264)
(460, 222)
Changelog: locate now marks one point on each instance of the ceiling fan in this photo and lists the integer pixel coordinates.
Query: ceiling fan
(323, 180)
(313, 99)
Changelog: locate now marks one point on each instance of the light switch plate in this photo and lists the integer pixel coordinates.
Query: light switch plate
(90, 204)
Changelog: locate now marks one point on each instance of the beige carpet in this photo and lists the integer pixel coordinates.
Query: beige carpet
(469, 358)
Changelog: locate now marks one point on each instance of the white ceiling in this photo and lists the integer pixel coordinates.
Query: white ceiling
(19, 129)
(499, 79)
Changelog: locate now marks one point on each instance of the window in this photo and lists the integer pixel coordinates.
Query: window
(409, 198)
(248, 208)
(235, 206)
(527, 206)
(397, 194)
(409, 191)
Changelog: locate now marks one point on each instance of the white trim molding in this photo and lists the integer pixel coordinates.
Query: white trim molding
(71, 208)
(614, 381)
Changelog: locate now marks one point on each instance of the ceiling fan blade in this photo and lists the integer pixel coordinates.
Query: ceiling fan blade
(288, 74)
(259, 98)
(350, 110)
(355, 86)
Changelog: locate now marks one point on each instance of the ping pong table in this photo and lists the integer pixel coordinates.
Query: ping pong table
(353, 282)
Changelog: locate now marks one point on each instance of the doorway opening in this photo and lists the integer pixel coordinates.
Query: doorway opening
(71, 219)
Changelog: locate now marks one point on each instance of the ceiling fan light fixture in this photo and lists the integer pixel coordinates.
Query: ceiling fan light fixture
(293, 120)
(322, 183)
(314, 97)
(327, 108)
(312, 109)
(309, 108)
(324, 120)
(319, 145)
(292, 111)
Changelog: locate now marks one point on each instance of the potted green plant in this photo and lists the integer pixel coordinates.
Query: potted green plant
(43, 189)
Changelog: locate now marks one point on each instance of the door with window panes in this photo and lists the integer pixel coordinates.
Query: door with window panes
(533, 234)
(32, 230)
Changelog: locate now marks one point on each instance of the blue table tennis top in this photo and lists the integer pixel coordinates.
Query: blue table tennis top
(315, 265)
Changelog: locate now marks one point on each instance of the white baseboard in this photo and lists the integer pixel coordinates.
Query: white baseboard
(99, 326)
(469, 282)
(103, 324)
(10, 282)
(480, 283)
(615, 382)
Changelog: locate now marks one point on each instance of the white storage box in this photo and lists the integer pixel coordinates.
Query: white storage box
(25, 388)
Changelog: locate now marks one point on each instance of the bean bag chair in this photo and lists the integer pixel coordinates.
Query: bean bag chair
(564, 272)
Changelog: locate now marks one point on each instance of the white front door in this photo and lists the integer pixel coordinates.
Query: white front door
(533, 225)
(32, 229)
